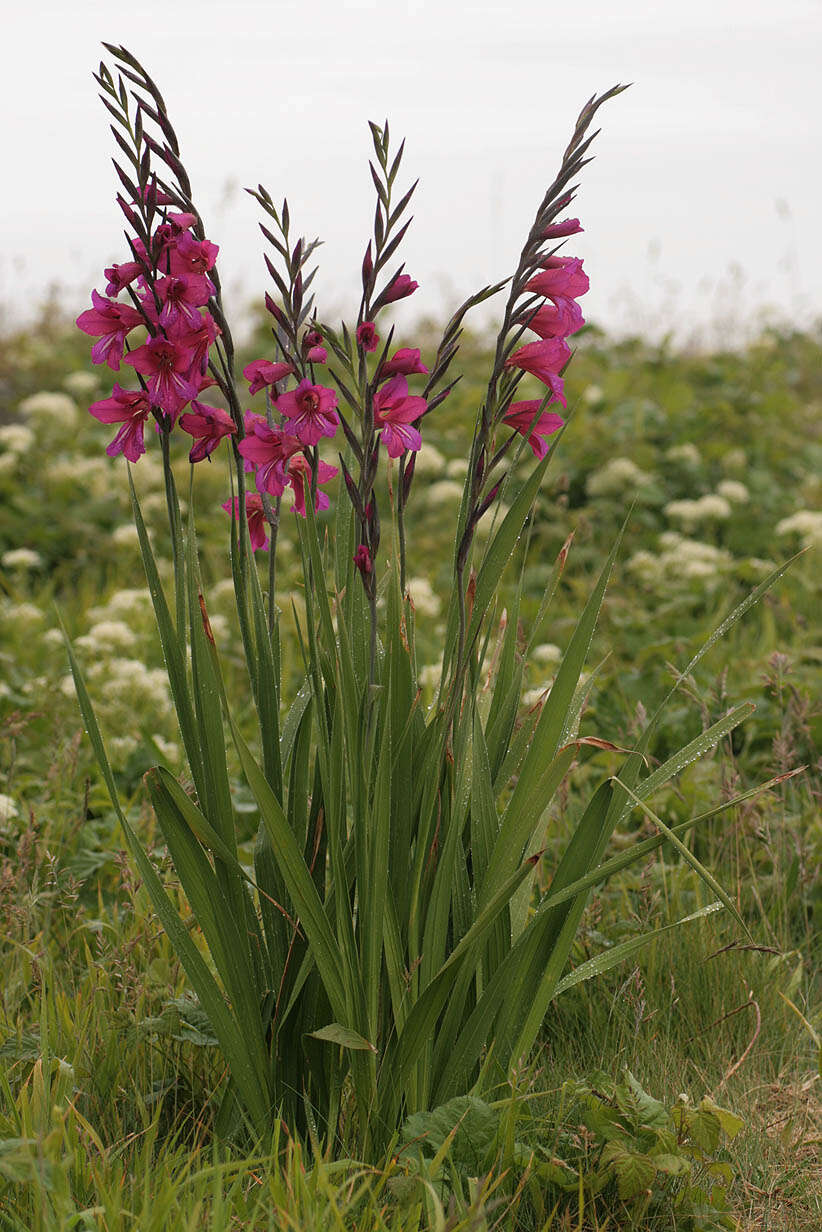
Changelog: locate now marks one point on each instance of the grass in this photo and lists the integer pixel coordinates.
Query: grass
(109, 1079)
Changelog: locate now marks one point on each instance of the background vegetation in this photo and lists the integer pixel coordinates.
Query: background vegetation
(108, 1074)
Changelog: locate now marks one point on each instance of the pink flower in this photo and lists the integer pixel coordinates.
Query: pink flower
(266, 450)
(557, 230)
(403, 363)
(543, 360)
(311, 411)
(199, 340)
(110, 322)
(155, 195)
(261, 373)
(560, 276)
(166, 366)
(394, 413)
(367, 336)
(317, 355)
(208, 425)
(131, 408)
(191, 258)
(121, 276)
(180, 299)
(362, 559)
(521, 418)
(299, 473)
(401, 286)
(557, 319)
(255, 514)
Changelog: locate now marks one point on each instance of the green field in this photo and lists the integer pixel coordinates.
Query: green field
(109, 1075)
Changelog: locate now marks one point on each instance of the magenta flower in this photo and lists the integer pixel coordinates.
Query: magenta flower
(299, 473)
(557, 230)
(166, 366)
(521, 415)
(255, 514)
(121, 276)
(317, 355)
(261, 373)
(367, 336)
(199, 340)
(110, 322)
(311, 411)
(557, 319)
(131, 408)
(394, 412)
(267, 450)
(191, 258)
(180, 299)
(543, 360)
(208, 425)
(404, 362)
(560, 276)
(362, 559)
(399, 288)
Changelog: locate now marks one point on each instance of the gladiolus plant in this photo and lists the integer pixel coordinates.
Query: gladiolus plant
(392, 945)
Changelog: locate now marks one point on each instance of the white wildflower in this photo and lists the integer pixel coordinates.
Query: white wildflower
(107, 637)
(131, 601)
(491, 521)
(593, 394)
(807, 523)
(168, 748)
(9, 463)
(66, 686)
(425, 602)
(429, 460)
(223, 591)
(21, 558)
(734, 491)
(615, 477)
(444, 492)
(81, 384)
(430, 675)
(646, 566)
(8, 808)
(92, 474)
(16, 438)
(125, 535)
(457, 469)
(120, 748)
(219, 627)
(687, 453)
(53, 637)
(707, 508)
(538, 694)
(52, 408)
(546, 652)
(22, 614)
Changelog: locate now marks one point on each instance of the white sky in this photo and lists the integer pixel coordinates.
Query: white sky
(700, 211)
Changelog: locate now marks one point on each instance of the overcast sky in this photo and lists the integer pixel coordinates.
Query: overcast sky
(701, 209)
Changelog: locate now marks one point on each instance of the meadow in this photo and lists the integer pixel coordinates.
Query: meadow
(678, 1090)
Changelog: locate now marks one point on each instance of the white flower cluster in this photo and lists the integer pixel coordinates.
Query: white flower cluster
(8, 808)
(425, 601)
(708, 508)
(53, 409)
(680, 560)
(21, 558)
(687, 453)
(107, 636)
(615, 478)
(734, 491)
(92, 474)
(807, 523)
(429, 460)
(20, 615)
(430, 675)
(129, 602)
(16, 438)
(546, 653)
(444, 492)
(81, 384)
